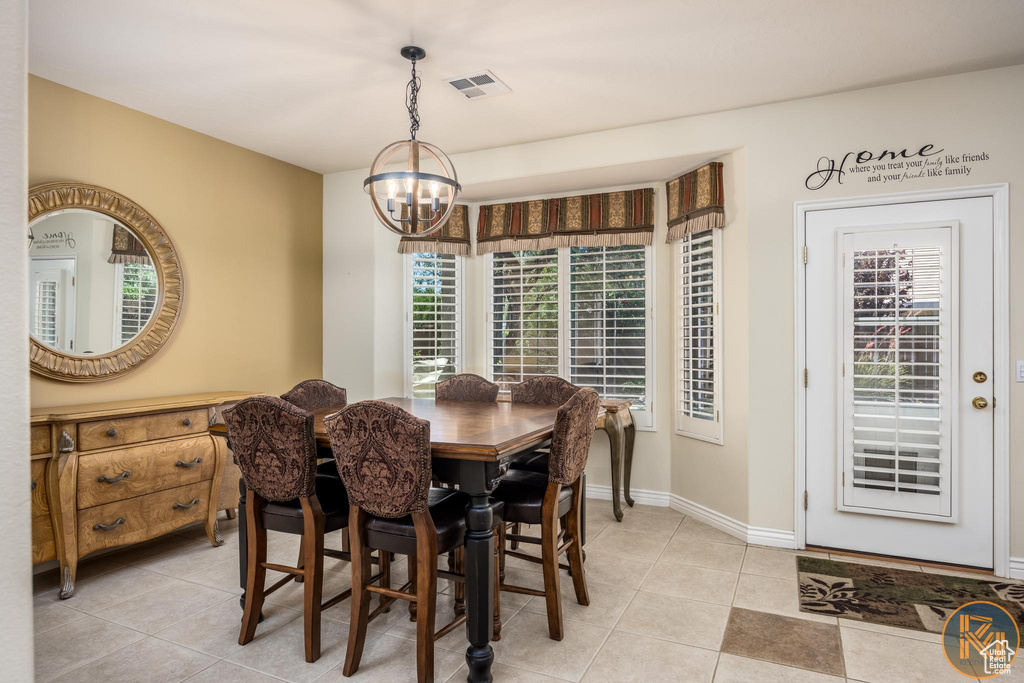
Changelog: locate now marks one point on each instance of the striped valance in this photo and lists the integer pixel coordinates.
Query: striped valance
(127, 248)
(453, 238)
(593, 220)
(695, 201)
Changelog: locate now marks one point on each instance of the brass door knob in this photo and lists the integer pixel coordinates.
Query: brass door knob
(979, 402)
(980, 377)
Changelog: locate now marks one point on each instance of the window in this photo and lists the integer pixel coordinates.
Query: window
(433, 316)
(44, 312)
(608, 317)
(699, 336)
(135, 298)
(581, 313)
(524, 316)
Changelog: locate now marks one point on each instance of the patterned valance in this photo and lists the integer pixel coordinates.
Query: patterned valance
(127, 248)
(695, 201)
(453, 238)
(594, 220)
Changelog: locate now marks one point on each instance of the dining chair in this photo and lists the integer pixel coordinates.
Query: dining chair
(275, 449)
(534, 498)
(314, 395)
(466, 387)
(383, 456)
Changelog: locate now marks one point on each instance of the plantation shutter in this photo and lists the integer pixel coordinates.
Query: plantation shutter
(436, 310)
(524, 316)
(698, 343)
(138, 294)
(44, 312)
(608, 321)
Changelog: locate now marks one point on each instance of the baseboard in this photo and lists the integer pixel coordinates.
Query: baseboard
(641, 496)
(756, 535)
(1017, 567)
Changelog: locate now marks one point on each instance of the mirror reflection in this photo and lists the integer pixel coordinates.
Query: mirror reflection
(92, 287)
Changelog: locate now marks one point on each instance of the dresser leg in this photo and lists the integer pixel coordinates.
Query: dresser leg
(67, 580)
(231, 513)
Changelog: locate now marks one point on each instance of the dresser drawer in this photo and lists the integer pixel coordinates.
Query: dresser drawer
(43, 548)
(126, 430)
(122, 473)
(40, 440)
(141, 518)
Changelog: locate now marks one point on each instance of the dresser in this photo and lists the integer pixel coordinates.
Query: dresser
(114, 474)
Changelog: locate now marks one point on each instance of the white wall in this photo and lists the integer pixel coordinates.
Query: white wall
(774, 148)
(15, 506)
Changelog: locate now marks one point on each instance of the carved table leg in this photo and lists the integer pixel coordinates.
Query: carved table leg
(62, 485)
(617, 439)
(627, 463)
(477, 480)
(220, 452)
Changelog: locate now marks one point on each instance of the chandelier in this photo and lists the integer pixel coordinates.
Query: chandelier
(417, 200)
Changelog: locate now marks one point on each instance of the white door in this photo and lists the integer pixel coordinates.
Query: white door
(52, 302)
(899, 380)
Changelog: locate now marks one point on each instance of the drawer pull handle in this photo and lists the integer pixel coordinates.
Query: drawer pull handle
(104, 479)
(111, 432)
(192, 463)
(186, 506)
(187, 422)
(108, 527)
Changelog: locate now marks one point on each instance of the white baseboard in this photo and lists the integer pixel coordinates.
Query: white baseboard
(1017, 567)
(777, 538)
(640, 496)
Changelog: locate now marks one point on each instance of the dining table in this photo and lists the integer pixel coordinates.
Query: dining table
(472, 444)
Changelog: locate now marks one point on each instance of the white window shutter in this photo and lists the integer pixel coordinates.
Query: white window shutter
(433, 320)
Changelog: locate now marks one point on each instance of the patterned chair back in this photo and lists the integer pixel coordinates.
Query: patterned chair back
(274, 445)
(466, 387)
(548, 390)
(383, 456)
(570, 441)
(316, 394)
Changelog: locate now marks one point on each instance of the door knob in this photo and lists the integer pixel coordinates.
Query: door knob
(980, 377)
(979, 402)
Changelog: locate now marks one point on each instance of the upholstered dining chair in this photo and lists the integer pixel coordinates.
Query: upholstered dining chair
(466, 387)
(316, 394)
(274, 445)
(383, 456)
(547, 390)
(533, 498)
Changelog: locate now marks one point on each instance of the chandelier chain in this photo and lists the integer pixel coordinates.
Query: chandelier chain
(412, 102)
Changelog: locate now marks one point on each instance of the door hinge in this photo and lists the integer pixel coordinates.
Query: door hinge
(805, 377)
(844, 369)
(805, 254)
(844, 479)
(844, 259)
(72, 280)
(805, 500)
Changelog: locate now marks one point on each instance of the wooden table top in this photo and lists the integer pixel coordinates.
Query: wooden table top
(467, 430)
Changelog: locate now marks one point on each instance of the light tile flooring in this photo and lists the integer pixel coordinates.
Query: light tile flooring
(664, 590)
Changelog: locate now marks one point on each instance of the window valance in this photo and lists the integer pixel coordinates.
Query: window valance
(453, 238)
(609, 219)
(126, 248)
(695, 201)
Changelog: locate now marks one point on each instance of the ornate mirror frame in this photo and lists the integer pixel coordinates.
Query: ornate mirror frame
(51, 197)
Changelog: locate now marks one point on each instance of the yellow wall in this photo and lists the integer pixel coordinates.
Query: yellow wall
(247, 229)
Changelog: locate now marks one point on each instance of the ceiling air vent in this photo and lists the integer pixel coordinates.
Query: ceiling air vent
(478, 84)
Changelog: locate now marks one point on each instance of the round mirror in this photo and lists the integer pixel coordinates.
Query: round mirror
(104, 283)
(92, 284)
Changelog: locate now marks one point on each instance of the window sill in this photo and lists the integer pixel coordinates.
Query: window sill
(716, 440)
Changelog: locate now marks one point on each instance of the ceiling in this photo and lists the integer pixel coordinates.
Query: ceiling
(319, 83)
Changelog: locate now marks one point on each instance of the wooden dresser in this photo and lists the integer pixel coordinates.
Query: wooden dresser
(112, 474)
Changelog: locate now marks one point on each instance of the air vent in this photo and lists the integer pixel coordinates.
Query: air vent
(479, 84)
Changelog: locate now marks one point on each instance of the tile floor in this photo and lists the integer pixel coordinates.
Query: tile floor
(671, 600)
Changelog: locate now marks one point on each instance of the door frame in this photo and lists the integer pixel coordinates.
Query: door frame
(1000, 194)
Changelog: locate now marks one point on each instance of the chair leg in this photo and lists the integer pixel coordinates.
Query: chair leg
(256, 573)
(549, 555)
(516, 529)
(426, 595)
(575, 551)
(411, 559)
(460, 587)
(498, 555)
(501, 551)
(385, 573)
(361, 573)
(313, 563)
(302, 558)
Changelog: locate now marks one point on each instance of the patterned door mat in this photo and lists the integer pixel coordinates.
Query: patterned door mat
(897, 597)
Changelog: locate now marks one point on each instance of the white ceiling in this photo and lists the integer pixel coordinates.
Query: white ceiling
(319, 83)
